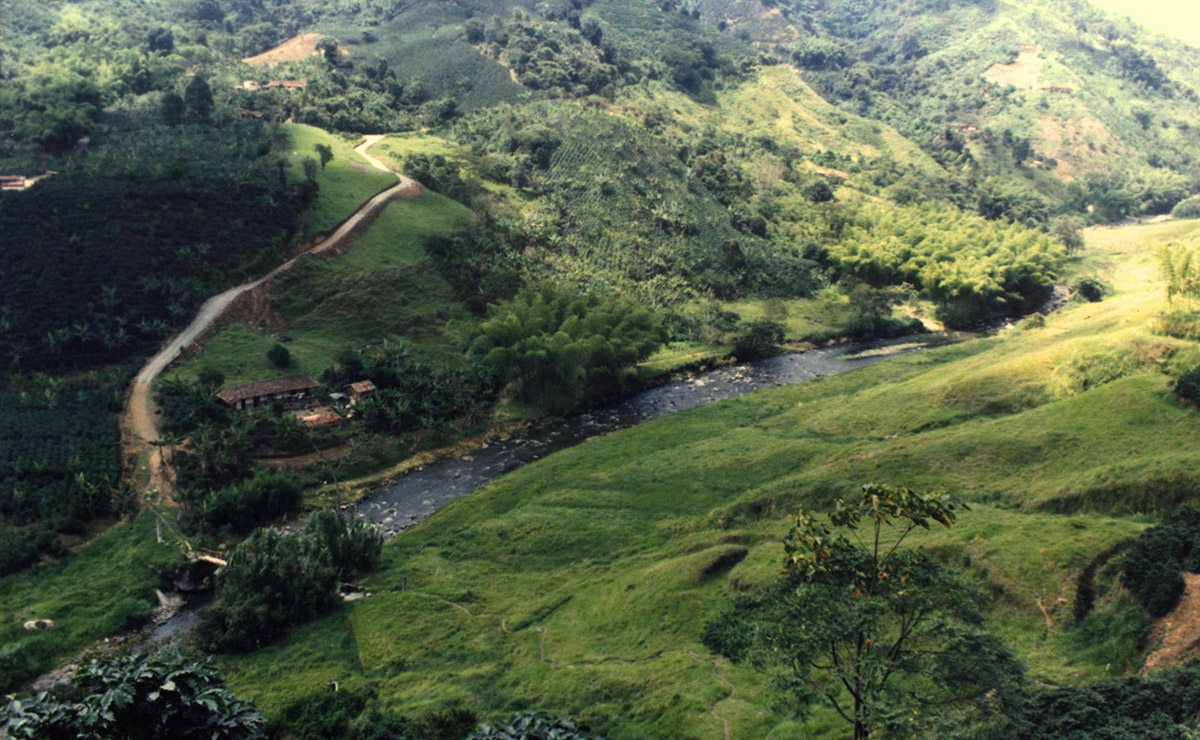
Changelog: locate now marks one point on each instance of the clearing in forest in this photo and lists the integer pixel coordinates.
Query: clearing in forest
(292, 50)
(1022, 74)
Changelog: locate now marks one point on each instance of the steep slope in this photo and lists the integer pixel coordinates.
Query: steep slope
(1040, 93)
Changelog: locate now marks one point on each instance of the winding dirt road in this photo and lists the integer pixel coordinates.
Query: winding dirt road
(140, 427)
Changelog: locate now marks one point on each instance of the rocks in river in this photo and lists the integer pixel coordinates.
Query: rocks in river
(39, 625)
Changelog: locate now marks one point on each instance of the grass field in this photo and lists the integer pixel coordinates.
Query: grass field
(87, 594)
(346, 183)
(581, 583)
(384, 287)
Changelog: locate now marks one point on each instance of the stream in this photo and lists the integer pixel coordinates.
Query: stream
(419, 494)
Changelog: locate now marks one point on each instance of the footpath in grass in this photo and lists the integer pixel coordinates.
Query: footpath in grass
(581, 583)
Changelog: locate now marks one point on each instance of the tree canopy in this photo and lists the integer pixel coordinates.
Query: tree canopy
(879, 632)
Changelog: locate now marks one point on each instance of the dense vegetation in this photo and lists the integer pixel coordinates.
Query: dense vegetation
(970, 268)
(59, 463)
(559, 347)
(275, 580)
(582, 583)
(103, 262)
(1154, 565)
(136, 697)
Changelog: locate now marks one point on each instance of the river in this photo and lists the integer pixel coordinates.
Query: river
(419, 494)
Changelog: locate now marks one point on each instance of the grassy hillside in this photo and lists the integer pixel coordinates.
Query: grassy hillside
(343, 185)
(101, 589)
(581, 583)
(383, 287)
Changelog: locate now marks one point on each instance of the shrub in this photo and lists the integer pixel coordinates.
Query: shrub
(1089, 288)
(534, 726)
(278, 355)
(1188, 385)
(266, 496)
(1180, 324)
(1115, 635)
(129, 614)
(353, 543)
(23, 660)
(1153, 568)
(1187, 208)
(1032, 321)
(758, 339)
(137, 697)
(274, 580)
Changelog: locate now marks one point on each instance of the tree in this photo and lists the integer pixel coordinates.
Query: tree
(877, 631)
(1066, 232)
(199, 98)
(329, 47)
(171, 109)
(758, 339)
(161, 39)
(310, 168)
(278, 354)
(1177, 268)
(557, 346)
(137, 697)
(818, 191)
(325, 152)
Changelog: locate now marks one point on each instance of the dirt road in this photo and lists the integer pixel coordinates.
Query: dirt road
(140, 426)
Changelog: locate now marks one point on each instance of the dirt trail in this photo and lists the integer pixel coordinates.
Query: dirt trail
(1179, 630)
(140, 426)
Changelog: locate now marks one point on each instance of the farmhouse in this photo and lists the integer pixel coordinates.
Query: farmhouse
(293, 390)
(361, 389)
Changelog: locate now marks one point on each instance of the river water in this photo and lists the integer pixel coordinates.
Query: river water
(414, 497)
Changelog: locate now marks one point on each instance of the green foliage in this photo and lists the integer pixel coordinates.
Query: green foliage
(137, 697)
(1066, 231)
(757, 339)
(59, 466)
(874, 630)
(138, 242)
(1188, 385)
(1155, 561)
(325, 152)
(1114, 636)
(279, 356)
(198, 99)
(275, 580)
(414, 394)
(533, 726)
(559, 347)
(353, 543)
(129, 614)
(1178, 266)
(1089, 288)
(972, 269)
(263, 497)
(1161, 705)
(1187, 208)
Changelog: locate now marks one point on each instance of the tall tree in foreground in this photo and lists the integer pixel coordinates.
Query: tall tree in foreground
(881, 633)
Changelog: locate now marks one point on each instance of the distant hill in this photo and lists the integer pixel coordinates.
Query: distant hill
(1042, 94)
